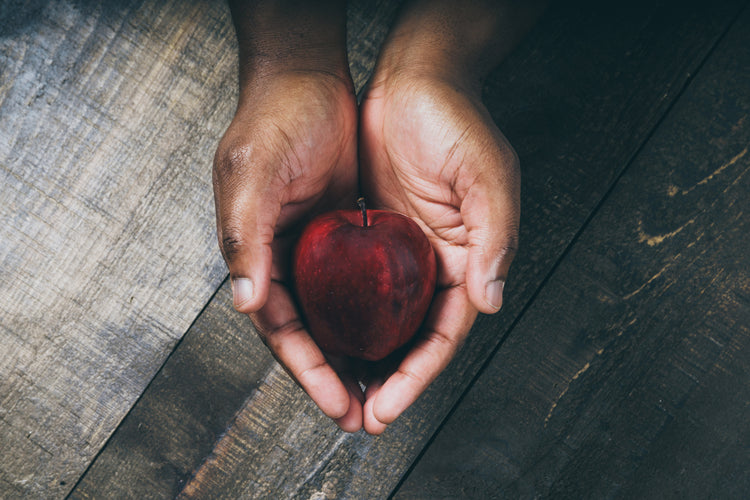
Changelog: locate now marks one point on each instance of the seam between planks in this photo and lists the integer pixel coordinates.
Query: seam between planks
(146, 388)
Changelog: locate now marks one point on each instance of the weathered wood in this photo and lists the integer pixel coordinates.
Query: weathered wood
(109, 116)
(629, 376)
(176, 424)
(577, 100)
(367, 26)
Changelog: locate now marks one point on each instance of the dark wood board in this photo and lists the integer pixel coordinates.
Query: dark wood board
(629, 375)
(577, 99)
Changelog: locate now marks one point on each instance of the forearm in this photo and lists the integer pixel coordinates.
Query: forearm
(290, 35)
(457, 40)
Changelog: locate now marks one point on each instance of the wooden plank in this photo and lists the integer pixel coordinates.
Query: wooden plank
(184, 410)
(586, 89)
(109, 115)
(629, 376)
(217, 365)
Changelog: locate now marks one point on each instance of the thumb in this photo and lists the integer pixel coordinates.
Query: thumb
(248, 257)
(492, 219)
(245, 227)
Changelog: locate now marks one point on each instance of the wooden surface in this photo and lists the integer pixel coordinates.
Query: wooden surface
(619, 366)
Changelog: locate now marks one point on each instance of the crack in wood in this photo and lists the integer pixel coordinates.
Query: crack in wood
(672, 190)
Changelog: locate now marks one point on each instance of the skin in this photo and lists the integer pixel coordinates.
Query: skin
(426, 147)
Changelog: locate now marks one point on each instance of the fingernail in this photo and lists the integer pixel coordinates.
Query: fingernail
(493, 293)
(242, 291)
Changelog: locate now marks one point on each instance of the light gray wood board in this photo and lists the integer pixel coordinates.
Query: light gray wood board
(109, 116)
(629, 376)
(367, 26)
(578, 99)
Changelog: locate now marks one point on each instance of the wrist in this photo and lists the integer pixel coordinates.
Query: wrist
(406, 59)
(287, 36)
(459, 43)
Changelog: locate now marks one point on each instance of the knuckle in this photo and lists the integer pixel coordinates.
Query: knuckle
(443, 345)
(501, 253)
(281, 333)
(508, 168)
(231, 160)
(233, 241)
(512, 159)
(417, 378)
(512, 169)
(509, 247)
(511, 241)
(304, 374)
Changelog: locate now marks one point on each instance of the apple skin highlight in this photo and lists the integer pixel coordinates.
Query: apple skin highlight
(363, 290)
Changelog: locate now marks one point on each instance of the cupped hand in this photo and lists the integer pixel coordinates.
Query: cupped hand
(289, 153)
(429, 149)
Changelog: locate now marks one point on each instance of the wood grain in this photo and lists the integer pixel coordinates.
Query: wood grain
(587, 87)
(109, 115)
(184, 410)
(629, 376)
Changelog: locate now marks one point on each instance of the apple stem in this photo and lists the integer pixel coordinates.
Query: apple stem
(361, 203)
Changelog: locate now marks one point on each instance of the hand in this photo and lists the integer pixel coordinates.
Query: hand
(430, 150)
(290, 152)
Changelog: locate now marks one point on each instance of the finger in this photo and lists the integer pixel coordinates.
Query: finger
(279, 325)
(352, 421)
(447, 325)
(491, 213)
(246, 215)
(371, 424)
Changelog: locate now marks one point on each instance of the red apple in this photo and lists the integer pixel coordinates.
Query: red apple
(364, 281)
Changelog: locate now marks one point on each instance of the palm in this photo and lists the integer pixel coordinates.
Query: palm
(432, 152)
(289, 153)
(419, 153)
(315, 149)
